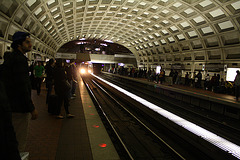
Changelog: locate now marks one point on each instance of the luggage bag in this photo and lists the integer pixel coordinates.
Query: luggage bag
(53, 104)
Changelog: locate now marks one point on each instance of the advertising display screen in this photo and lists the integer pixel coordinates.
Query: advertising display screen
(231, 74)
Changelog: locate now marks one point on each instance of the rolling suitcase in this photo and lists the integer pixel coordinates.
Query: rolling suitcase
(53, 104)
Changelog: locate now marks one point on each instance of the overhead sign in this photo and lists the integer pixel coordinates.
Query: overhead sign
(66, 56)
(177, 66)
(38, 57)
(214, 67)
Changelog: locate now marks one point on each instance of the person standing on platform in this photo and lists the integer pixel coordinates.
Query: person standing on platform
(75, 81)
(186, 79)
(18, 86)
(62, 88)
(199, 79)
(8, 141)
(161, 76)
(206, 82)
(179, 77)
(31, 72)
(171, 74)
(194, 79)
(69, 71)
(49, 69)
(213, 82)
(38, 72)
(237, 84)
(175, 75)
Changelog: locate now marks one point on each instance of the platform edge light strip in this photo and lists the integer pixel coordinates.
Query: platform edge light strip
(197, 130)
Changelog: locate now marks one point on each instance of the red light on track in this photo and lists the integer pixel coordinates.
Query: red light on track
(96, 126)
(102, 145)
(89, 106)
(92, 114)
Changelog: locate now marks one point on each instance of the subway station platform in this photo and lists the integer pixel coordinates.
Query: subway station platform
(185, 89)
(221, 104)
(84, 136)
(80, 138)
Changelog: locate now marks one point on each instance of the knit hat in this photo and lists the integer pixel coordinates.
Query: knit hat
(19, 36)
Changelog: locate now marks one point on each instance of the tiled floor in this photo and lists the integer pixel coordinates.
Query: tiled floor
(62, 139)
(44, 132)
(69, 138)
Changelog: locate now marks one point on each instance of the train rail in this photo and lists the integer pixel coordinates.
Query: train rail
(142, 133)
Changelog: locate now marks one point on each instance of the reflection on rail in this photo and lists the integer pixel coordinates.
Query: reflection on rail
(197, 130)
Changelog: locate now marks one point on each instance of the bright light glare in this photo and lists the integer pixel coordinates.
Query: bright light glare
(231, 74)
(82, 71)
(89, 71)
(197, 130)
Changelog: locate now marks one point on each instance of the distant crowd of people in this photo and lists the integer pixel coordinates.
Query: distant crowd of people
(211, 83)
(16, 82)
(61, 75)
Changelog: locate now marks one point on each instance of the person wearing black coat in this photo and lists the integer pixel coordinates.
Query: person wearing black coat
(8, 141)
(18, 86)
(49, 69)
(62, 88)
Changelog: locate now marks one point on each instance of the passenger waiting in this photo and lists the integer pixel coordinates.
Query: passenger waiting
(237, 85)
(194, 79)
(49, 79)
(213, 82)
(8, 141)
(62, 88)
(75, 81)
(175, 75)
(18, 87)
(38, 73)
(207, 82)
(161, 76)
(186, 79)
(32, 78)
(171, 74)
(179, 77)
(222, 88)
(199, 79)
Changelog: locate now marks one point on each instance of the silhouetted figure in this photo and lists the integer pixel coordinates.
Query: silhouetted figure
(18, 86)
(38, 73)
(186, 79)
(8, 142)
(62, 88)
(199, 79)
(207, 82)
(49, 69)
(237, 85)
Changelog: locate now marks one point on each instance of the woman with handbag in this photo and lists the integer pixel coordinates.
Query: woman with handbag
(62, 88)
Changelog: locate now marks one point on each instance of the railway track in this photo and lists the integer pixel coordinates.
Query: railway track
(140, 132)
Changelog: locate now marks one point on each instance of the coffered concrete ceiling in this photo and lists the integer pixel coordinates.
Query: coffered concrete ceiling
(145, 27)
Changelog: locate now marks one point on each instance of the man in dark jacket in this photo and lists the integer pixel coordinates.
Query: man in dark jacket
(18, 86)
(62, 88)
(49, 69)
(8, 142)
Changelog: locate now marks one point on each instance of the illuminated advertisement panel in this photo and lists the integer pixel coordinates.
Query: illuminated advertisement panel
(158, 69)
(231, 74)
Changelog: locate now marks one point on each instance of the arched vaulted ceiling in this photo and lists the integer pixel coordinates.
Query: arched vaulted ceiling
(146, 27)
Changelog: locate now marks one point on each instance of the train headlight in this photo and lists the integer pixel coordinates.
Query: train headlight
(82, 71)
(89, 71)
